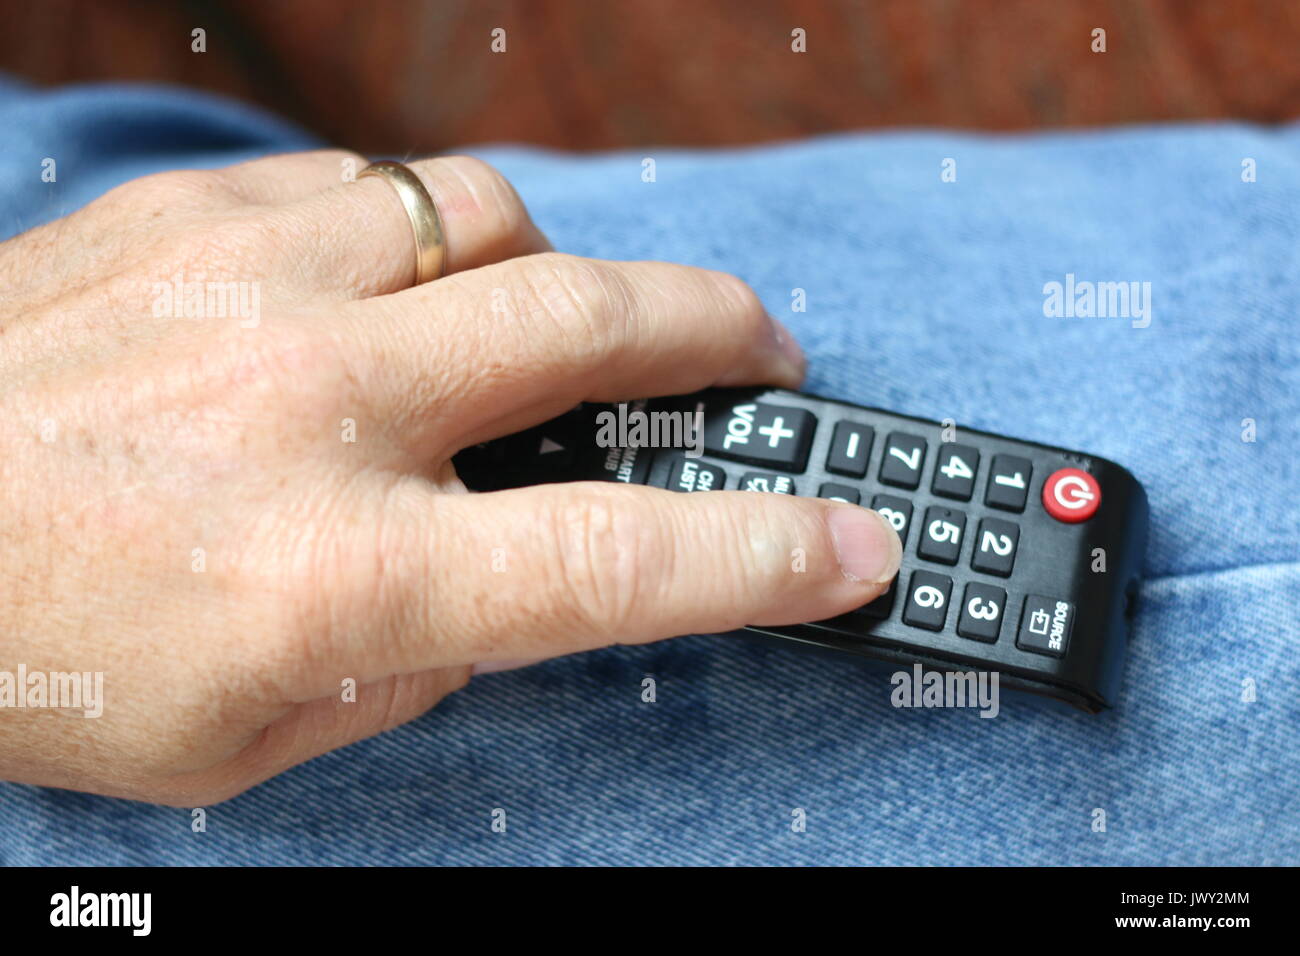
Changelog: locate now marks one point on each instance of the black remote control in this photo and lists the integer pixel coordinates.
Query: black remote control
(1017, 557)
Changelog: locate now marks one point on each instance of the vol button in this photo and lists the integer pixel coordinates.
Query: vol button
(1071, 495)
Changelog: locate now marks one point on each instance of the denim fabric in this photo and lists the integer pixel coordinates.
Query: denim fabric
(922, 296)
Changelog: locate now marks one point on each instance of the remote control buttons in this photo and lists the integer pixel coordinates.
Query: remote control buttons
(1045, 626)
(941, 535)
(850, 449)
(837, 492)
(954, 471)
(901, 464)
(774, 435)
(897, 511)
(927, 600)
(1008, 486)
(995, 547)
(1071, 495)
(981, 612)
(776, 484)
(690, 475)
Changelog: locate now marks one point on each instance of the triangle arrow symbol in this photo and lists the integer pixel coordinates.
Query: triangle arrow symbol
(549, 446)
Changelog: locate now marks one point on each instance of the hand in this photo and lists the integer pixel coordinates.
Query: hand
(234, 516)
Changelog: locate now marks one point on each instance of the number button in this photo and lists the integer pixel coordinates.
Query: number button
(776, 484)
(927, 600)
(850, 449)
(897, 511)
(1009, 483)
(981, 612)
(688, 475)
(774, 435)
(941, 535)
(954, 471)
(995, 547)
(902, 461)
(836, 492)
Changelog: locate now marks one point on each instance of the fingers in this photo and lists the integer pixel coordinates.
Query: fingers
(552, 569)
(510, 345)
(289, 177)
(357, 237)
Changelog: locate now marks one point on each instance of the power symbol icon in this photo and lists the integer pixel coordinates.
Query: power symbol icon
(1071, 495)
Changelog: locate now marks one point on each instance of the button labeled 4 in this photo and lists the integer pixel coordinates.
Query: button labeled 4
(954, 471)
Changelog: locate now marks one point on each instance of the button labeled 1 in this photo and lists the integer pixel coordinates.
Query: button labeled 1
(1008, 486)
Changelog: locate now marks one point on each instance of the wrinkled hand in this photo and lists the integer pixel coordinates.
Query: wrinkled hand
(234, 511)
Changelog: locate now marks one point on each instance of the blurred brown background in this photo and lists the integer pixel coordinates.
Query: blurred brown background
(420, 75)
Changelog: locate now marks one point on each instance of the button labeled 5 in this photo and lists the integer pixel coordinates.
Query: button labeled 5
(941, 535)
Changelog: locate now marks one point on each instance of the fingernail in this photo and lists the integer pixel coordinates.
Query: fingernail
(867, 547)
(493, 667)
(789, 347)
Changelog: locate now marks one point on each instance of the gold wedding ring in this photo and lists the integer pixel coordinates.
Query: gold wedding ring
(430, 245)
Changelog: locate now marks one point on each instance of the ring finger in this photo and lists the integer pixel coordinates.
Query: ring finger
(360, 237)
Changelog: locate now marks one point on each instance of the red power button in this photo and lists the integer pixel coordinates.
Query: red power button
(1071, 495)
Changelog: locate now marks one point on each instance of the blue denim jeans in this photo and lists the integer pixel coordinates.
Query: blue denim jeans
(922, 295)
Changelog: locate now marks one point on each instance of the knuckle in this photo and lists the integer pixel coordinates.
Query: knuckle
(605, 550)
(742, 300)
(177, 189)
(264, 391)
(585, 301)
(493, 194)
(234, 247)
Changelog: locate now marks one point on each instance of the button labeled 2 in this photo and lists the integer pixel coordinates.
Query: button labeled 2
(995, 547)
